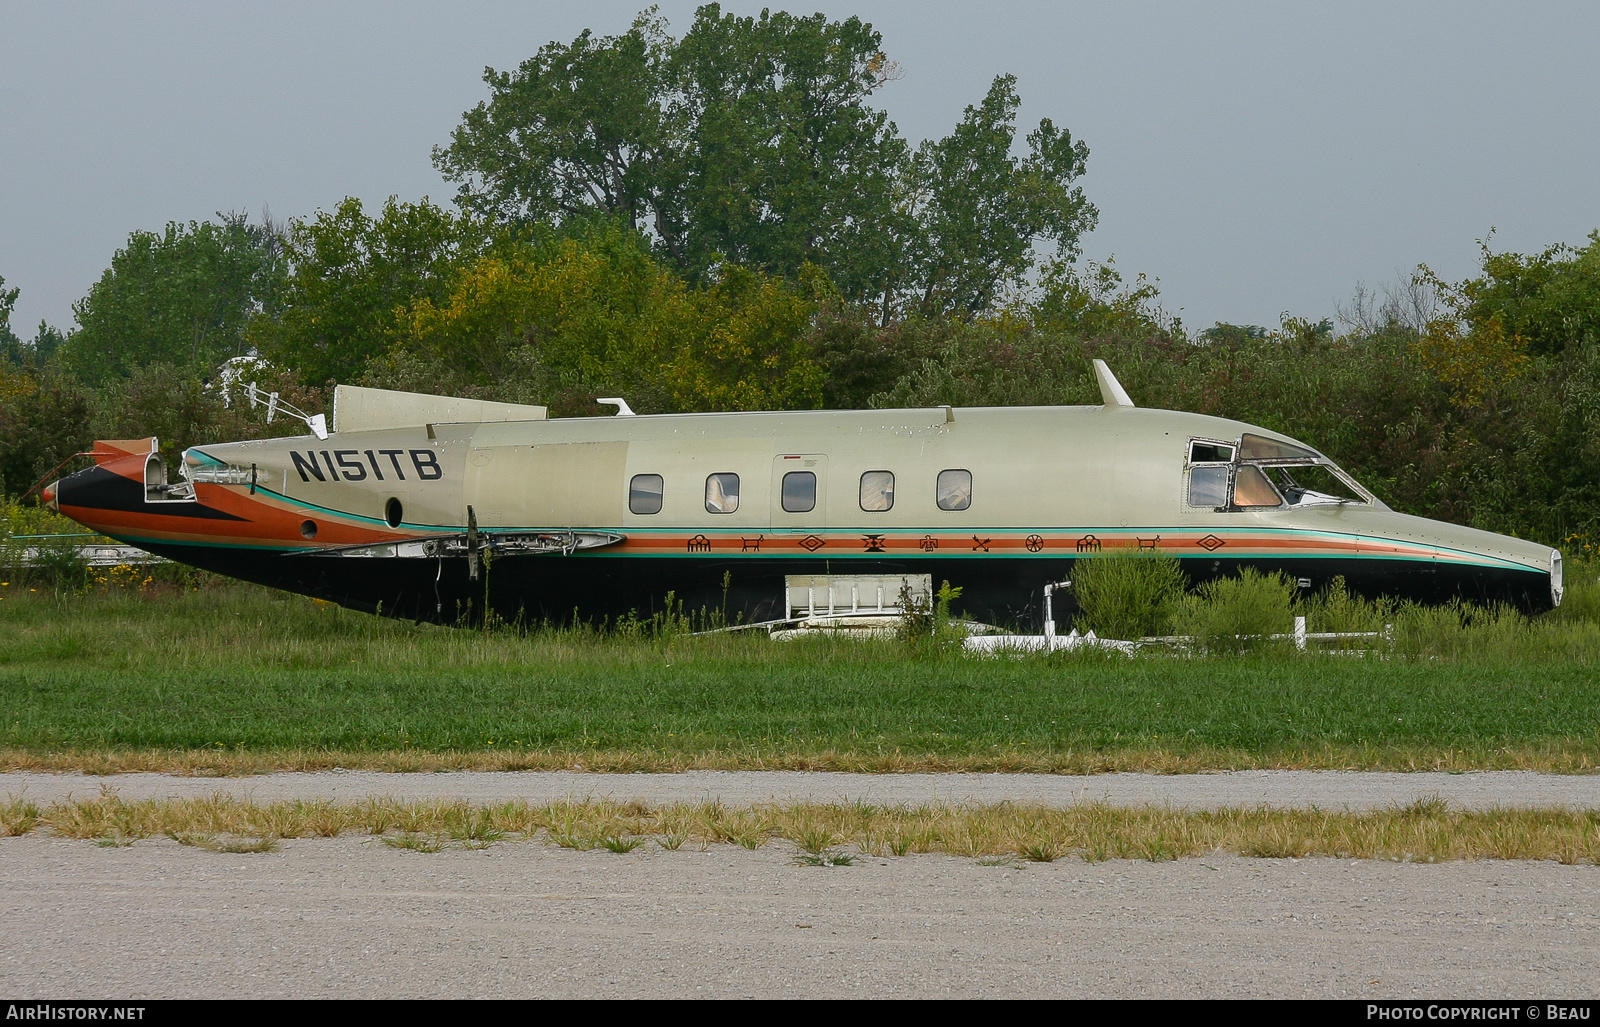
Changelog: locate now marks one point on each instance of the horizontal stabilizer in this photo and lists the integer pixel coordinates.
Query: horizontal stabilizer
(358, 409)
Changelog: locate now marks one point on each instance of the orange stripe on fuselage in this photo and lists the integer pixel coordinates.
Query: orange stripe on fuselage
(266, 521)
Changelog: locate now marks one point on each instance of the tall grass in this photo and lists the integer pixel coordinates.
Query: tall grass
(1427, 830)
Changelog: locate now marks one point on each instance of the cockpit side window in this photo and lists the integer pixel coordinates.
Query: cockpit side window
(1209, 467)
(1208, 486)
(1203, 451)
(1312, 484)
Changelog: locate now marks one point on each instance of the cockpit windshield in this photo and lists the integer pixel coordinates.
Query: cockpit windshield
(1306, 485)
(1258, 447)
(1266, 473)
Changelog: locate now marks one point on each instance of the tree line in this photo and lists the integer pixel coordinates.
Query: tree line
(723, 221)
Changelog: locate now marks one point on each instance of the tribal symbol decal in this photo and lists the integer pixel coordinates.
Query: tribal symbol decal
(811, 543)
(699, 544)
(1034, 543)
(872, 543)
(1211, 543)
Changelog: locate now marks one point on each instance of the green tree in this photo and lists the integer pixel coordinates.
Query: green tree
(350, 277)
(1095, 300)
(785, 164)
(11, 349)
(567, 318)
(44, 419)
(578, 128)
(978, 210)
(46, 343)
(181, 297)
(1550, 301)
(748, 141)
(751, 141)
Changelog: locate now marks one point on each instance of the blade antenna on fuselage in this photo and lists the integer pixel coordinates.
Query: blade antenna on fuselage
(1112, 394)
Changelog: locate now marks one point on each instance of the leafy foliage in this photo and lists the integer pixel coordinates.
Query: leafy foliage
(598, 315)
(976, 210)
(182, 297)
(1128, 594)
(750, 141)
(351, 275)
(10, 345)
(44, 419)
(1233, 615)
(183, 409)
(1548, 301)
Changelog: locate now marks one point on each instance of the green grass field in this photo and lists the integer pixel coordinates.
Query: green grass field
(238, 679)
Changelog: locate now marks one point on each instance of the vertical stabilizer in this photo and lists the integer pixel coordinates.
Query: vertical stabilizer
(1112, 394)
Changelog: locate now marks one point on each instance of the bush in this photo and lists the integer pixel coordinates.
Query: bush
(58, 563)
(1128, 595)
(1234, 615)
(1336, 609)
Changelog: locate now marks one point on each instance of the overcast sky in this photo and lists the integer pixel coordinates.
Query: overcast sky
(1255, 157)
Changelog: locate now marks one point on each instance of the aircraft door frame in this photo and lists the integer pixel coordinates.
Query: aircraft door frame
(800, 521)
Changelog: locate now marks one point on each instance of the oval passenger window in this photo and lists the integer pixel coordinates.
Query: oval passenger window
(645, 492)
(877, 491)
(799, 492)
(722, 493)
(954, 490)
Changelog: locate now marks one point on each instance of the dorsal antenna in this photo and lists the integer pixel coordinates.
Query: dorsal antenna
(1112, 394)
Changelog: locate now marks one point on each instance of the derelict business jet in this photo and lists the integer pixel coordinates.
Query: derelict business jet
(440, 509)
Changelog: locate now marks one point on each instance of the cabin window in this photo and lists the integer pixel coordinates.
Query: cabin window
(1208, 486)
(799, 492)
(645, 491)
(877, 491)
(1251, 488)
(954, 490)
(722, 493)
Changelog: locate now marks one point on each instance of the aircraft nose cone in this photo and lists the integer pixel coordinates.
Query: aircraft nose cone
(48, 496)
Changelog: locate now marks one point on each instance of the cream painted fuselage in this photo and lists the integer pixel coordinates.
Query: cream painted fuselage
(598, 517)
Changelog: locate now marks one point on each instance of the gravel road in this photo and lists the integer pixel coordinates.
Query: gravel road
(349, 917)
